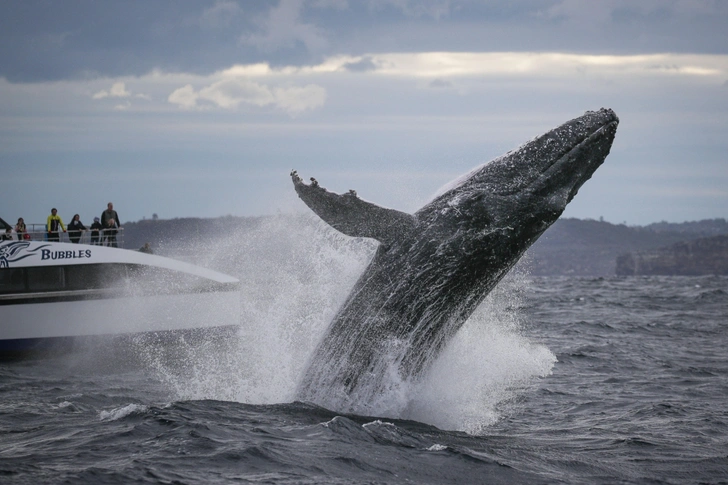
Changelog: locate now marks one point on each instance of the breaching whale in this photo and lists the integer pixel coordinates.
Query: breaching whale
(434, 267)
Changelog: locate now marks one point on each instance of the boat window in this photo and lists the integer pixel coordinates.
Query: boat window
(82, 277)
(94, 276)
(114, 275)
(137, 279)
(49, 278)
(11, 280)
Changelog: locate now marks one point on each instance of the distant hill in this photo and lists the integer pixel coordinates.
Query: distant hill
(704, 228)
(708, 255)
(590, 248)
(569, 247)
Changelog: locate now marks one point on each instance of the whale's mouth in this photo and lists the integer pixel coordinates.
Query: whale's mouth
(560, 159)
(598, 145)
(606, 130)
(571, 170)
(603, 136)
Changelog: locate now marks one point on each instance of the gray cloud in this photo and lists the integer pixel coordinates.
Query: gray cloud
(282, 27)
(436, 9)
(440, 83)
(41, 40)
(221, 15)
(363, 65)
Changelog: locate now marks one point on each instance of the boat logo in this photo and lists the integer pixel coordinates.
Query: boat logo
(9, 253)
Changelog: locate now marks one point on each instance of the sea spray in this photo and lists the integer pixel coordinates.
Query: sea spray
(488, 364)
(295, 273)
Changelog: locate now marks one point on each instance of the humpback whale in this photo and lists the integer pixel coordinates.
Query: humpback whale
(433, 268)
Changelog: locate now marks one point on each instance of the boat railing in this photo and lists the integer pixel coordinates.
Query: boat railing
(37, 232)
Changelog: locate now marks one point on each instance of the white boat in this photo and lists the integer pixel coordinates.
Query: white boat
(51, 292)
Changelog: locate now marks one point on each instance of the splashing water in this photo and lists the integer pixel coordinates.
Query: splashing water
(295, 273)
(485, 366)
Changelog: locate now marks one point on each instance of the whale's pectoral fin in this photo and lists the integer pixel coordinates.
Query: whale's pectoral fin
(352, 216)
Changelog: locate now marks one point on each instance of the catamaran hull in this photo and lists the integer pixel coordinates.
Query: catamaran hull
(40, 327)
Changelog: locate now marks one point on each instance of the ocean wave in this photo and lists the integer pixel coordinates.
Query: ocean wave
(122, 412)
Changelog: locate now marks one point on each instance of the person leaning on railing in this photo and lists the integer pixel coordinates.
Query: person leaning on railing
(110, 222)
(21, 230)
(53, 224)
(95, 228)
(75, 228)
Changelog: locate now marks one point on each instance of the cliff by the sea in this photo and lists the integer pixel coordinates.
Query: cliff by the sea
(689, 258)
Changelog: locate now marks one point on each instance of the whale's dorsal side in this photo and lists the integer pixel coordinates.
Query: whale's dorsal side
(352, 216)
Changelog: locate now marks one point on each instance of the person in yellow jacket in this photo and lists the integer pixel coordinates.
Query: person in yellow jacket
(53, 226)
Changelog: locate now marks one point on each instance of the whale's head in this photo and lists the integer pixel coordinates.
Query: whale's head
(531, 185)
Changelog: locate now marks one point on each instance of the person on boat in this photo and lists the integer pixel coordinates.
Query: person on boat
(110, 230)
(95, 228)
(110, 223)
(8, 234)
(146, 248)
(75, 228)
(53, 225)
(21, 230)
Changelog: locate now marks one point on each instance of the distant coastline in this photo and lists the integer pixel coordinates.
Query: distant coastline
(592, 248)
(575, 247)
(695, 257)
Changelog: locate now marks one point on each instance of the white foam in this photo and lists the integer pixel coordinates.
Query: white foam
(122, 412)
(437, 447)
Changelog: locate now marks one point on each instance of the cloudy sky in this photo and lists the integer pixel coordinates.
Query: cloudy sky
(202, 108)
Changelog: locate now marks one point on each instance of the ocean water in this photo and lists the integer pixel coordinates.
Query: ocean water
(553, 380)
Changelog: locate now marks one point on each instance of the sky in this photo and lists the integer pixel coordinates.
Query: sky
(185, 108)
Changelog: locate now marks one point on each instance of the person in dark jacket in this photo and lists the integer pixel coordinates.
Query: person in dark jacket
(95, 228)
(75, 228)
(110, 222)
